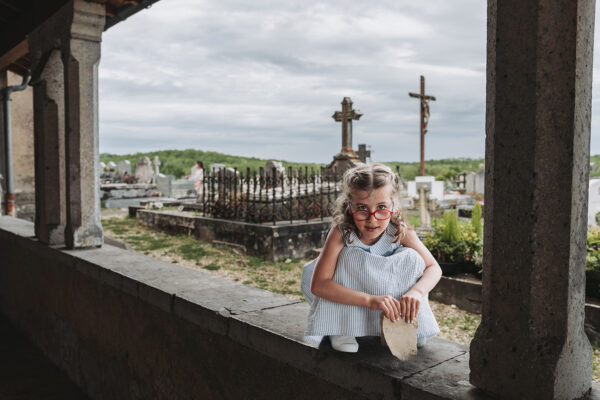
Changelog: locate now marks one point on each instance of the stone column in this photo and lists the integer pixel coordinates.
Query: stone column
(81, 56)
(531, 343)
(49, 139)
(65, 54)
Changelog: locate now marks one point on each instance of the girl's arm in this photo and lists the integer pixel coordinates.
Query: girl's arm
(411, 301)
(324, 286)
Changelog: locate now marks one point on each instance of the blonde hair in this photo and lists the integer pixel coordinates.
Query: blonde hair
(368, 177)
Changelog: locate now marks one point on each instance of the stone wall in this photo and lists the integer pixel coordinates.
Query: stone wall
(126, 326)
(264, 240)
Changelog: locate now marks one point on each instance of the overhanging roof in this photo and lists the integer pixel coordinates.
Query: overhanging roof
(18, 18)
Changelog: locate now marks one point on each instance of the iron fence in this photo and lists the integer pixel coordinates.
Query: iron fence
(268, 196)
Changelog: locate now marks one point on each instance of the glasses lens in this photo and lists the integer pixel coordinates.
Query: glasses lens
(382, 214)
(361, 215)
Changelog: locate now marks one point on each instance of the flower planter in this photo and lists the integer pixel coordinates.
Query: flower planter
(592, 283)
(463, 267)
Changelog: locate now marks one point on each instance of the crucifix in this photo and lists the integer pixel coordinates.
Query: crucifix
(345, 117)
(424, 118)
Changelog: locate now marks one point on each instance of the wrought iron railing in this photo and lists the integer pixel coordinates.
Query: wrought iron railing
(268, 196)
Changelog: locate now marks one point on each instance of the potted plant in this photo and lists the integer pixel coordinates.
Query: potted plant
(457, 246)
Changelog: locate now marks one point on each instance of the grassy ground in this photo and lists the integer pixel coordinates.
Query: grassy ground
(280, 277)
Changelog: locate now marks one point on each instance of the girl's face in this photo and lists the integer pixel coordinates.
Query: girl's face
(371, 228)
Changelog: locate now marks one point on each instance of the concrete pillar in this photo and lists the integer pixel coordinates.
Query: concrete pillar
(49, 140)
(66, 52)
(531, 343)
(81, 56)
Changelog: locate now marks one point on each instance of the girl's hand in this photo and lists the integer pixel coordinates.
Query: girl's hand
(388, 304)
(409, 305)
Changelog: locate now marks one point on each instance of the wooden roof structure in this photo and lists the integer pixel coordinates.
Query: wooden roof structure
(18, 18)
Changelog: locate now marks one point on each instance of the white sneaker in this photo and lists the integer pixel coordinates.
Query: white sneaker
(421, 342)
(347, 344)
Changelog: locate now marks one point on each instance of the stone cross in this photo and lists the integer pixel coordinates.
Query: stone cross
(363, 153)
(345, 117)
(424, 119)
(156, 164)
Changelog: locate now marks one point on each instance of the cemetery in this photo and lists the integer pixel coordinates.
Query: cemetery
(120, 324)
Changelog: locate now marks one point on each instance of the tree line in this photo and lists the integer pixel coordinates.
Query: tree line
(179, 163)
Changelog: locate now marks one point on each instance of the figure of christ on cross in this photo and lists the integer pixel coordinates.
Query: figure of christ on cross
(424, 119)
(345, 117)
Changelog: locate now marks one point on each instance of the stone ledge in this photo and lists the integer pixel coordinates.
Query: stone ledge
(267, 323)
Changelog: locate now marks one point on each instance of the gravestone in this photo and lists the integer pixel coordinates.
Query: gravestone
(364, 153)
(474, 182)
(143, 171)
(346, 158)
(123, 167)
(279, 170)
(214, 168)
(164, 184)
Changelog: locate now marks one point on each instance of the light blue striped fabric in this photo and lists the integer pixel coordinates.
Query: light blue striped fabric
(384, 268)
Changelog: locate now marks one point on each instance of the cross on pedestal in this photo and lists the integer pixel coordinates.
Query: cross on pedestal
(363, 153)
(424, 119)
(345, 117)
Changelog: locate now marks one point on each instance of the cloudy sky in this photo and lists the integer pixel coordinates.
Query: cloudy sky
(263, 78)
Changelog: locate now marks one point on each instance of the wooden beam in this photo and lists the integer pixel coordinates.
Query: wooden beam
(14, 54)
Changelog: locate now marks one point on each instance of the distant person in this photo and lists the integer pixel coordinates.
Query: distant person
(372, 263)
(197, 176)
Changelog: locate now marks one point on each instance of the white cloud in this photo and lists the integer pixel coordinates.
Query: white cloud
(263, 78)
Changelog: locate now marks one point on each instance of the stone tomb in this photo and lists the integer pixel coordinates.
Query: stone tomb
(274, 242)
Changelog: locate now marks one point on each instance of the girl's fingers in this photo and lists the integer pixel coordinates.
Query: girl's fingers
(397, 308)
(385, 309)
(403, 308)
(391, 312)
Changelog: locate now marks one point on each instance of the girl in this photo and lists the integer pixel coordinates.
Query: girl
(197, 177)
(371, 263)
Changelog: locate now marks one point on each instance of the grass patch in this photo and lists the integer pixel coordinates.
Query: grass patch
(212, 267)
(192, 251)
(414, 220)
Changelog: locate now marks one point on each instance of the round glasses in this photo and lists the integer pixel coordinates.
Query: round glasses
(380, 215)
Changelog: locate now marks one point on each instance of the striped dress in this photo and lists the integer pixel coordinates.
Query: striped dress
(384, 268)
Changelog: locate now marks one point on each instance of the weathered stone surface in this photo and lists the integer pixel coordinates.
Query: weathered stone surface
(449, 380)
(531, 342)
(81, 55)
(49, 114)
(65, 54)
(272, 242)
(97, 312)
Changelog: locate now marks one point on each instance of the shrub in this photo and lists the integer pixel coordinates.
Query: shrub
(476, 222)
(452, 241)
(593, 250)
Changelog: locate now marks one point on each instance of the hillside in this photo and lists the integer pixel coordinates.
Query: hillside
(179, 162)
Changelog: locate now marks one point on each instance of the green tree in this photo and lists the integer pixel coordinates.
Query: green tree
(450, 232)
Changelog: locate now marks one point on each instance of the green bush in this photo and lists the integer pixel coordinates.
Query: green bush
(452, 241)
(476, 222)
(450, 231)
(593, 250)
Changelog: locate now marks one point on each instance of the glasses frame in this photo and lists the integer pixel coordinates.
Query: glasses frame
(373, 214)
